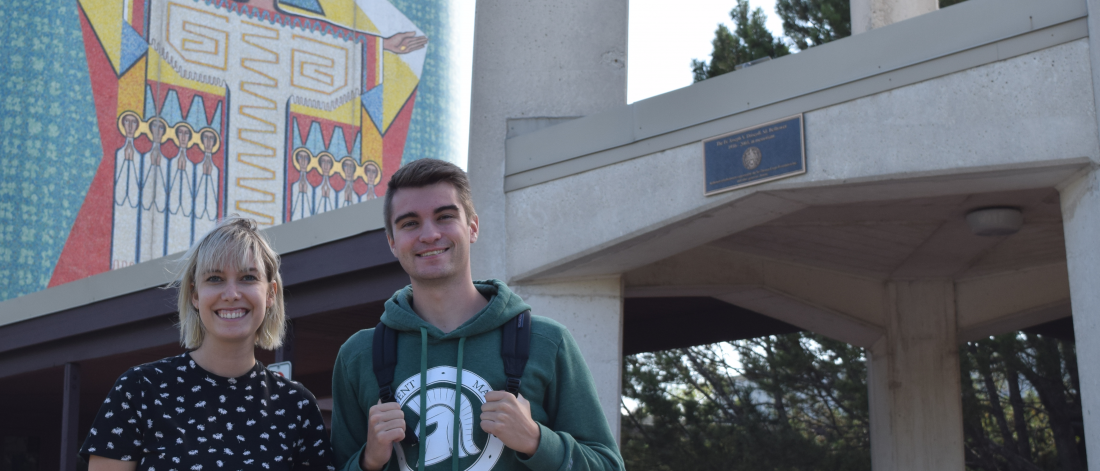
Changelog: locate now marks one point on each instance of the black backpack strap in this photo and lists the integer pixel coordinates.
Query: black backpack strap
(385, 360)
(515, 348)
(384, 357)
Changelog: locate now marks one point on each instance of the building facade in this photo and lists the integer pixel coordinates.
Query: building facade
(596, 212)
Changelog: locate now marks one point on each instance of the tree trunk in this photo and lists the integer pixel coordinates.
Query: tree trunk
(1048, 382)
(984, 362)
(1019, 412)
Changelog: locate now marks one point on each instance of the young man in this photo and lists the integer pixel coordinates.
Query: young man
(449, 337)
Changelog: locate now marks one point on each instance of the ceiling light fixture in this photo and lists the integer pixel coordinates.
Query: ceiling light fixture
(995, 221)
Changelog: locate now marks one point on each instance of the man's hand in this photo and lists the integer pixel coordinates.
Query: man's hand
(509, 418)
(385, 426)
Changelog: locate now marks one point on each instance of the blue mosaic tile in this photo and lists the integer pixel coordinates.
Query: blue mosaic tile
(431, 131)
(49, 142)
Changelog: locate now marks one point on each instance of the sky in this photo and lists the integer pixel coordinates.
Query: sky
(663, 41)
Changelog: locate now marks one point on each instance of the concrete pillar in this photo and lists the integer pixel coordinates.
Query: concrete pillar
(1081, 222)
(913, 381)
(593, 311)
(564, 58)
(1094, 49)
(871, 14)
(70, 417)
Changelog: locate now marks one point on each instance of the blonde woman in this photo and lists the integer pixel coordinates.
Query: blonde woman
(215, 407)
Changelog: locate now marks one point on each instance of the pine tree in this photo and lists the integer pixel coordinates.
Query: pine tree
(809, 23)
(800, 402)
(749, 40)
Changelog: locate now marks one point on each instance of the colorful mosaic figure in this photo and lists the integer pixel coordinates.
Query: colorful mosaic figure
(325, 199)
(154, 194)
(338, 183)
(163, 72)
(178, 196)
(127, 192)
(162, 202)
(206, 182)
(303, 196)
(373, 177)
(181, 193)
(346, 195)
(277, 62)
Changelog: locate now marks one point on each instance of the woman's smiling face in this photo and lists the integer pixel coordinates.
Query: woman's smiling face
(232, 302)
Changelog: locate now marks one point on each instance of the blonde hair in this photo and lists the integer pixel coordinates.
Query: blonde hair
(234, 240)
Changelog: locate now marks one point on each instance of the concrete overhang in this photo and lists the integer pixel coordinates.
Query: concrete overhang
(828, 269)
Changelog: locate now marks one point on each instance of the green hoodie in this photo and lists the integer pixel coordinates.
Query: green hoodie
(574, 433)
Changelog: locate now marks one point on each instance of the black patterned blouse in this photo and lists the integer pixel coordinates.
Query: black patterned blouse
(173, 415)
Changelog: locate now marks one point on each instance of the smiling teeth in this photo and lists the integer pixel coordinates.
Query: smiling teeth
(231, 314)
(434, 252)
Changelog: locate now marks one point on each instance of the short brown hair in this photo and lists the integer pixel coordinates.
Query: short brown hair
(423, 172)
(235, 240)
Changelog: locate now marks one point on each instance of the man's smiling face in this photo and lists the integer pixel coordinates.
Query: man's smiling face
(432, 234)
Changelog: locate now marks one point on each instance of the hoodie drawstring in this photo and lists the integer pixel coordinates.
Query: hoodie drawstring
(456, 439)
(458, 406)
(423, 394)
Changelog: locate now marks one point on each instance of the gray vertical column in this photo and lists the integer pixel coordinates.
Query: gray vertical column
(593, 311)
(564, 58)
(1094, 48)
(913, 381)
(70, 417)
(1081, 221)
(871, 14)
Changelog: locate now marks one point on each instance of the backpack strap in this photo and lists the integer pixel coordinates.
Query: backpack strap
(385, 360)
(515, 348)
(384, 357)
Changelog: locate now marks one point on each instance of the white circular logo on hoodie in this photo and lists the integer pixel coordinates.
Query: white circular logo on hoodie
(440, 410)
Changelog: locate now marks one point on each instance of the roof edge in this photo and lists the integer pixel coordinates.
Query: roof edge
(963, 36)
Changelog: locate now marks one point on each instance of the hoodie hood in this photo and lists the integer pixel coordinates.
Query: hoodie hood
(503, 306)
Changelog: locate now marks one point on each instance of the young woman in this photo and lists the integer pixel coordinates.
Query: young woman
(215, 407)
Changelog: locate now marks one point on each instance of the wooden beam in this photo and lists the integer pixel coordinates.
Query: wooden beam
(70, 418)
(348, 291)
(286, 352)
(340, 258)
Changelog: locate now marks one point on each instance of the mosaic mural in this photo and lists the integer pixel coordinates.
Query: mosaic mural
(152, 119)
